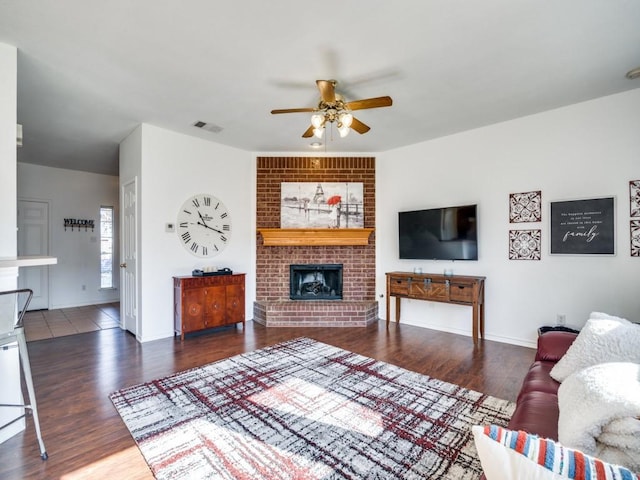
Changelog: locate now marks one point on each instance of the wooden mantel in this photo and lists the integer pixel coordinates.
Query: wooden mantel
(315, 236)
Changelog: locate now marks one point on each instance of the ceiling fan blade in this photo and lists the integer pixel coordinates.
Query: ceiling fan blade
(308, 132)
(370, 103)
(293, 110)
(327, 90)
(359, 127)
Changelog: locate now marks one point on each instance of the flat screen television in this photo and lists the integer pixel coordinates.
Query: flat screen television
(449, 233)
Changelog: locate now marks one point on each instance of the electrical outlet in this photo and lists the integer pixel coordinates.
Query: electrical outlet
(561, 319)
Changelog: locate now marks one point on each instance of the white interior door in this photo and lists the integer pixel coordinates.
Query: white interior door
(33, 239)
(129, 265)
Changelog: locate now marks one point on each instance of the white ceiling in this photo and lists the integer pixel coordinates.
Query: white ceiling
(90, 71)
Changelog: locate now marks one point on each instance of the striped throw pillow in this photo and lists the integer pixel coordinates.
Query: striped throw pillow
(507, 454)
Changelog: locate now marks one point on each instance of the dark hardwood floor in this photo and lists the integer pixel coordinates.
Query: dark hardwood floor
(85, 437)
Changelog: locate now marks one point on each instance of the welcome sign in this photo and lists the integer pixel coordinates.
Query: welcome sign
(583, 227)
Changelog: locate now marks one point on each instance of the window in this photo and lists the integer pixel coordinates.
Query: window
(106, 247)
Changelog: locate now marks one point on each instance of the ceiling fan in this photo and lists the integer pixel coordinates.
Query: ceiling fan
(333, 108)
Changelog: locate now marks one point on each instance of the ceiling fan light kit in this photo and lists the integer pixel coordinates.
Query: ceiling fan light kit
(633, 74)
(333, 109)
(318, 121)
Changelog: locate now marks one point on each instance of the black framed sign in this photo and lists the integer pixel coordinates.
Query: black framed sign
(583, 227)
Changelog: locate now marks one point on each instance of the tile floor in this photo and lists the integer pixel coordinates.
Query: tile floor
(41, 324)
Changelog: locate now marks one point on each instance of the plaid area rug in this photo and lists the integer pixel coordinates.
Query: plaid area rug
(306, 410)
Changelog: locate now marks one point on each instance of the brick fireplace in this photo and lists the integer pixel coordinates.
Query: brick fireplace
(273, 306)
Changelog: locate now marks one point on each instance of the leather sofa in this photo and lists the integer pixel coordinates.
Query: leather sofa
(537, 403)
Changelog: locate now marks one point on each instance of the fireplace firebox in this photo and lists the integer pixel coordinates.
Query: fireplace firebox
(315, 282)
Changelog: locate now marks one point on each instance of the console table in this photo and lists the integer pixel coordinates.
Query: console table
(457, 289)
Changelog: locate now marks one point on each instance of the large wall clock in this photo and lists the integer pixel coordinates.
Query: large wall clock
(204, 225)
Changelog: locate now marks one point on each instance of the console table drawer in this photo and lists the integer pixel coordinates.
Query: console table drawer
(461, 293)
(399, 286)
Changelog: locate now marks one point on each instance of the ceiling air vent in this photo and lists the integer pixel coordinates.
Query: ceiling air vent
(209, 127)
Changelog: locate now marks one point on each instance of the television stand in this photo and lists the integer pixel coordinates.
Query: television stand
(456, 289)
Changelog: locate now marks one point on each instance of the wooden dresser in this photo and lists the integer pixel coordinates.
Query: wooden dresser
(458, 289)
(207, 302)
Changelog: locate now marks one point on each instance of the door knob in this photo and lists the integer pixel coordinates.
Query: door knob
(123, 265)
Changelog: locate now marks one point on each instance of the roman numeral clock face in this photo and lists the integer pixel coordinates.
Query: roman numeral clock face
(204, 225)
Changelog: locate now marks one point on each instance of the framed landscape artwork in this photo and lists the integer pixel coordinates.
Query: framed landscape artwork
(583, 227)
(321, 205)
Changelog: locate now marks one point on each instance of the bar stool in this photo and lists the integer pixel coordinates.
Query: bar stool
(12, 332)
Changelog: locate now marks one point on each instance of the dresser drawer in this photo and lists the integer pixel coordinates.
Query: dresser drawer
(215, 280)
(188, 282)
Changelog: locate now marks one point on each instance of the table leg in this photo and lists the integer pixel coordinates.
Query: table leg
(475, 320)
(388, 308)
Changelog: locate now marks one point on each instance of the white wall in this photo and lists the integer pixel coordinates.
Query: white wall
(130, 169)
(8, 120)
(73, 194)
(10, 391)
(173, 167)
(585, 150)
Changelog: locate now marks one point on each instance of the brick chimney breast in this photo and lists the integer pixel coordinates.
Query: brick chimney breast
(273, 307)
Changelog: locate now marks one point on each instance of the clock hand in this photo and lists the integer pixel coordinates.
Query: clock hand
(204, 224)
(211, 228)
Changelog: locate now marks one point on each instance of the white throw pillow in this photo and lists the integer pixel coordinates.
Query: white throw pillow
(603, 339)
(508, 455)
